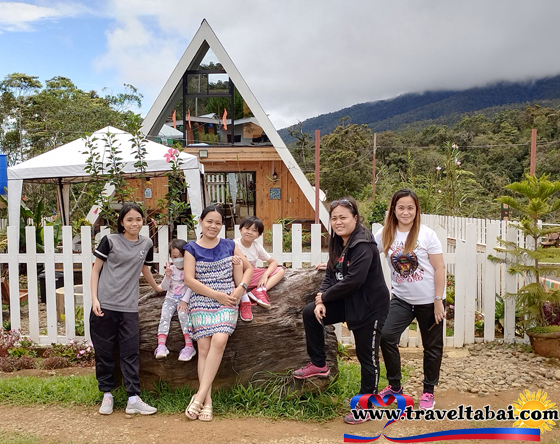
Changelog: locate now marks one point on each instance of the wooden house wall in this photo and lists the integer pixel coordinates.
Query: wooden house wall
(264, 161)
(158, 186)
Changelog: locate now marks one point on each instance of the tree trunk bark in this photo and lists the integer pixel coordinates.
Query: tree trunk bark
(267, 348)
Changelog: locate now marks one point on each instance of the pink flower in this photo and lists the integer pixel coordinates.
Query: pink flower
(455, 146)
(82, 352)
(438, 168)
(95, 211)
(458, 163)
(170, 155)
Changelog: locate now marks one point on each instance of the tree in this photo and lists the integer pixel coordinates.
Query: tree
(36, 118)
(533, 199)
(346, 160)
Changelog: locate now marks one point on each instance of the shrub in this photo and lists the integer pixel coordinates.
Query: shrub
(8, 364)
(55, 362)
(26, 362)
(76, 352)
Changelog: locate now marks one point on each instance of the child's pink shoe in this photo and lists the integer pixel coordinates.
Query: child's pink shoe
(245, 312)
(260, 296)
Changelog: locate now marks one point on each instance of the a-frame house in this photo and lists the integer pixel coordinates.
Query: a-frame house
(244, 158)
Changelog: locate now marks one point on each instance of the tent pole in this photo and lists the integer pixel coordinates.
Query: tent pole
(61, 201)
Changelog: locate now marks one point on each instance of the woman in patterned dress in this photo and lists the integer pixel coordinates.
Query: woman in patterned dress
(213, 306)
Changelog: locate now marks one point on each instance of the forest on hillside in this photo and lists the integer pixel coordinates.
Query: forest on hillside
(456, 170)
(418, 110)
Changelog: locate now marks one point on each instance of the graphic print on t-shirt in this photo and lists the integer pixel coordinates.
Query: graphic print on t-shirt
(405, 265)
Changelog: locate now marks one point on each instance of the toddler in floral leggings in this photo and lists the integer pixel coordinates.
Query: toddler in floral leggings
(176, 299)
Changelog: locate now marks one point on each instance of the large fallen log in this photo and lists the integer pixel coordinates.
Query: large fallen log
(269, 347)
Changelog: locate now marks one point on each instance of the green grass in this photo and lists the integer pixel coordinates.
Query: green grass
(270, 399)
(17, 438)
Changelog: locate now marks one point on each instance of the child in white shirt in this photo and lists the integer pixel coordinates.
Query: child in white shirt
(176, 299)
(263, 279)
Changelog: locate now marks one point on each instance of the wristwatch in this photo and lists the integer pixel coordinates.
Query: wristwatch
(438, 298)
(244, 285)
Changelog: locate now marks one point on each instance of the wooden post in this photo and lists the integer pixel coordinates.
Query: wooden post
(374, 152)
(317, 150)
(533, 150)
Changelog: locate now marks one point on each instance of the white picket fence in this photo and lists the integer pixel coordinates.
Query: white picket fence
(466, 244)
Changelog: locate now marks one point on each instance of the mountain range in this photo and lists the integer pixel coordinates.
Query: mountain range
(418, 110)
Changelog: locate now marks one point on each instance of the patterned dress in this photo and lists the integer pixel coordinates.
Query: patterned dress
(215, 270)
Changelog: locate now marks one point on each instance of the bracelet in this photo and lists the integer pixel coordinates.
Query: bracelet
(438, 298)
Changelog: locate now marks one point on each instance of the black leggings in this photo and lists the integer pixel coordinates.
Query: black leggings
(366, 337)
(401, 314)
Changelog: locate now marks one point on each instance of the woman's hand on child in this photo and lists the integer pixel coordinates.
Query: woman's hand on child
(320, 311)
(167, 270)
(318, 299)
(322, 266)
(225, 299)
(183, 307)
(236, 260)
(96, 308)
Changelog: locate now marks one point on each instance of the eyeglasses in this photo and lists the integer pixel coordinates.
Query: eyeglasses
(343, 202)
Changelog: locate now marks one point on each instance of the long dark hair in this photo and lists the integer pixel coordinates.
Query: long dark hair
(391, 222)
(127, 206)
(335, 242)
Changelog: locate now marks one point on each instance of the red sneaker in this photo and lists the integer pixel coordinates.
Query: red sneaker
(311, 370)
(245, 312)
(260, 296)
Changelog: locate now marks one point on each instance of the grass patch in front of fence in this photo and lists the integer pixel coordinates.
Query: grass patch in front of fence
(18, 438)
(270, 400)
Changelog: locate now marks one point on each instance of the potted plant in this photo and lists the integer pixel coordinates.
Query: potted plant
(539, 306)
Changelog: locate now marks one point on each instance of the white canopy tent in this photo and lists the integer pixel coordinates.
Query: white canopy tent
(66, 165)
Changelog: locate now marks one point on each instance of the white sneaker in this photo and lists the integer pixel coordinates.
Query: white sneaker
(140, 407)
(106, 406)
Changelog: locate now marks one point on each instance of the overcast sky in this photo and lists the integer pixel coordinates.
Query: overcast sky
(301, 58)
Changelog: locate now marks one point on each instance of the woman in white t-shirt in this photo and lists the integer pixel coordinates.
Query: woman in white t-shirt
(415, 257)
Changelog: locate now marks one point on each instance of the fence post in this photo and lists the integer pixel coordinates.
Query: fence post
(296, 246)
(511, 287)
(460, 292)
(32, 296)
(182, 232)
(68, 269)
(13, 275)
(277, 243)
(87, 262)
(470, 271)
(489, 289)
(52, 325)
(163, 247)
(315, 244)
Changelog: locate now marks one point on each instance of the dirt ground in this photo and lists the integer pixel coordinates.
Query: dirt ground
(81, 425)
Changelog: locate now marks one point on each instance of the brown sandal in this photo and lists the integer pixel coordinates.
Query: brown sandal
(193, 409)
(206, 414)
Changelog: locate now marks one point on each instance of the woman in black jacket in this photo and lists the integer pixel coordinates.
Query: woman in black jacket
(354, 292)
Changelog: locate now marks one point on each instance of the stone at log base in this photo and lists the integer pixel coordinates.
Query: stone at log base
(272, 344)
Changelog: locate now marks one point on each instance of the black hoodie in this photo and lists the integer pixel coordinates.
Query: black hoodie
(361, 284)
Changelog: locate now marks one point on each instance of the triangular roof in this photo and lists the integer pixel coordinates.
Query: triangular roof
(171, 93)
(69, 161)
